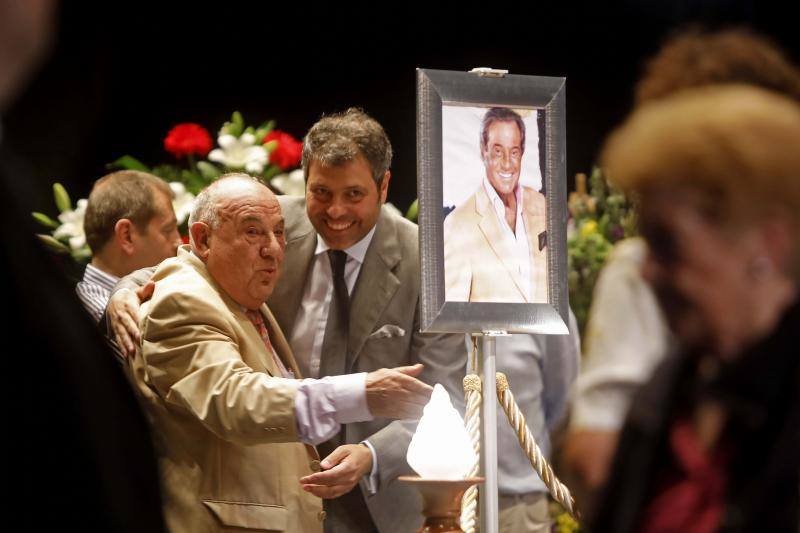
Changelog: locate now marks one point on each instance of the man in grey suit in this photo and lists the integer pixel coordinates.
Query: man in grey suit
(348, 301)
(362, 314)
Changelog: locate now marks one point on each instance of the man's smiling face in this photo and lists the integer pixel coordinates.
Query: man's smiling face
(502, 156)
(343, 202)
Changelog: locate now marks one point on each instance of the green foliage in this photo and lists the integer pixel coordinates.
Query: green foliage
(53, 244)
(208, 171)
(45, 220)
(600, 218)
(413, 211)
(127, 162)
(63, 203)
(236, 125)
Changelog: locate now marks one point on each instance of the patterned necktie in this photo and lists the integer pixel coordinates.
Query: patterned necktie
(334, 358)
(258, 321)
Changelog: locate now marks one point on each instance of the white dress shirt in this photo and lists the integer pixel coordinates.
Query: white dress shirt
(312, 317)
(516, 239)
(626, 338)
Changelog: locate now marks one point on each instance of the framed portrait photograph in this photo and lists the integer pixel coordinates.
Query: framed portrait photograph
(491, 160)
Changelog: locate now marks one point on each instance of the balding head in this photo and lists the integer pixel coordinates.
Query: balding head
(237, 231)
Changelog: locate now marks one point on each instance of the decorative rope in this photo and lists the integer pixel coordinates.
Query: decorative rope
(469, 502)
(558, 490)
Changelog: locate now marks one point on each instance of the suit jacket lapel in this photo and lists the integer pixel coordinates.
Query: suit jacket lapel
(288, 294)
(375, 286)
(279, 342)
(491, 229)
(536, 222)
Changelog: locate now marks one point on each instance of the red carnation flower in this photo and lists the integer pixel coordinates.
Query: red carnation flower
(187, 139)
(289, 151)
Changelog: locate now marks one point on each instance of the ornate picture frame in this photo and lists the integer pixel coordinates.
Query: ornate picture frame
(448, 99)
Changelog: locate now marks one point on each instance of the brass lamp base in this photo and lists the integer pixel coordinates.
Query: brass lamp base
(441, 501)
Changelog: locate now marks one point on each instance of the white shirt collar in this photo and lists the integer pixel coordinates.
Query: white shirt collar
(94, 275)
(358, 251)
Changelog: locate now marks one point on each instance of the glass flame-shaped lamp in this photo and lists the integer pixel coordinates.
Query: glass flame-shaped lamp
(442, 454)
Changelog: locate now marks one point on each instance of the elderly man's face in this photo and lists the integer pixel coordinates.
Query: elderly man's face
(343, 202)
(502, 156)
(702, 275)
(245, 253)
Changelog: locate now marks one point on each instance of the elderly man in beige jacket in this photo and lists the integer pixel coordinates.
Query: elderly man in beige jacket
(220, 382)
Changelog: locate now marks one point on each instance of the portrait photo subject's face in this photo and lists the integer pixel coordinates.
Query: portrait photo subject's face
(246, 250)
(343, 202)
(502, 156)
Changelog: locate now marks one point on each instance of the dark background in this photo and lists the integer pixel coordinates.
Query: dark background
(122, 76)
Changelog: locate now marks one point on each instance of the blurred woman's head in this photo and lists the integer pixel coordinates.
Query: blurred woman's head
(717, 173)
(695, 58)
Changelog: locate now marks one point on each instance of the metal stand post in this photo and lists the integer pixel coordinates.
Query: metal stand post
(488, 492)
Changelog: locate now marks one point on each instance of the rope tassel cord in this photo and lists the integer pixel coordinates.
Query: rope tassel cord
(558, 490)
(469, 502)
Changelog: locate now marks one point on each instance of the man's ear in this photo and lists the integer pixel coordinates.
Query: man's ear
(384, 188)
(123, 235)
(201, 236)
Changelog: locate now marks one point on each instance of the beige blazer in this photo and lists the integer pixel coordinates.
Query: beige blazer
(224, 425)
(477, 260)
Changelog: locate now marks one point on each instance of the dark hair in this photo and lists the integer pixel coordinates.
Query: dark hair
(124, 194)
(501, 114)
(342, 137)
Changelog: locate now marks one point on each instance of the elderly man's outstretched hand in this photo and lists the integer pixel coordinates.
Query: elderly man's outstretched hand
(396, 393)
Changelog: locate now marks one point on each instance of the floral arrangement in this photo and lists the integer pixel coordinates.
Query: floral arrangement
(600, 217)
(264, 152)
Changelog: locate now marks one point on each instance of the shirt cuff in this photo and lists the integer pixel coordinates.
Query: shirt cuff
(350, 397)
(371, 481)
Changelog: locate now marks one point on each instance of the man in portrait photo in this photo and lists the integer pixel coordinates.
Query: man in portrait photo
(495, 246)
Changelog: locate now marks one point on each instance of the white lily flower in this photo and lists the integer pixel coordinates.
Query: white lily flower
(240, 152)
(72, 225)
(291, 184)
(182, 201)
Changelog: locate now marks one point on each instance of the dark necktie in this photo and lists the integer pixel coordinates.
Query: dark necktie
(334, 358)
(349, 511)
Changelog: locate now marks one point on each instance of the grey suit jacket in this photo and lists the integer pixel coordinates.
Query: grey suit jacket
(384, 332)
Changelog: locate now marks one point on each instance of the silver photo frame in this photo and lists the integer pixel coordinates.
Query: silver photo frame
(435, 90)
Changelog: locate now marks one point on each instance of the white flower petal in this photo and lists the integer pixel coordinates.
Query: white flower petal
(178, 188)
(256, 153)
(226, 140)
(77, 242)
(254, 167)
(247, 139)
(217, 155)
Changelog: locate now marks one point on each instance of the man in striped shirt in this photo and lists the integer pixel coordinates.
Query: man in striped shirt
(129, 224)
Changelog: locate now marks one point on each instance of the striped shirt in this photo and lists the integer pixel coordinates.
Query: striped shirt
(94, 290)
